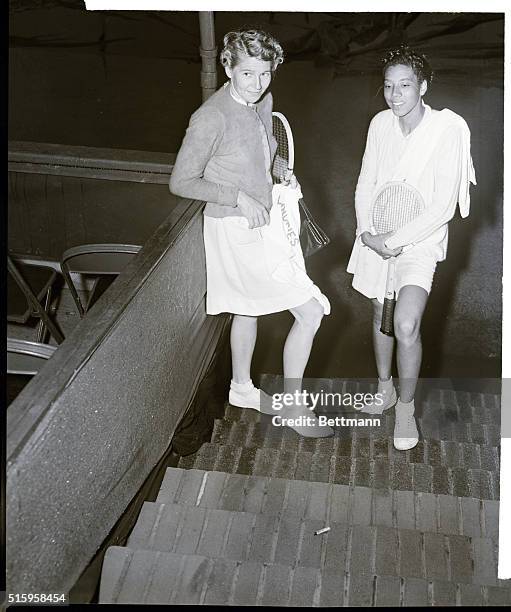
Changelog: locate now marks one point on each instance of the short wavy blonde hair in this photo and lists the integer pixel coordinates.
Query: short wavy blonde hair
(253, 43)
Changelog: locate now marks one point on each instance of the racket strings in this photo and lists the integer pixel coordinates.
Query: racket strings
(395, 206)
(281, 161)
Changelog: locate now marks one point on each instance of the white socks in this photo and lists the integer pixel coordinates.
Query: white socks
(385, 386)
(242, 387)
(406, 435)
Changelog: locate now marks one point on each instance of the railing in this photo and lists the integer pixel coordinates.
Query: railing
(86, 431)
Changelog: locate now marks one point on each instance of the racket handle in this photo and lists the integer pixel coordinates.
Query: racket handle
(389, 303)
(387, 318)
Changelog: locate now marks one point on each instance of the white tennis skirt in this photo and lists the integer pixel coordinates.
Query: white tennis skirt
(253, 271)
(414, 267)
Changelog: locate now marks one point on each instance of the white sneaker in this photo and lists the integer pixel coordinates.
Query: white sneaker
(406, 434)
(252, 398)
(389, 398)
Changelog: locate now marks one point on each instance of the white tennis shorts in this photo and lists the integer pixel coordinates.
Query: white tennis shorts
(415, 267)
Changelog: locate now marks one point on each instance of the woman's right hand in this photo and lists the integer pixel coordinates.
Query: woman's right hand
(255, 212)
(377, 244)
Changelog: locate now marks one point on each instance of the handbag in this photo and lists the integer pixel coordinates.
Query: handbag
(312, 237)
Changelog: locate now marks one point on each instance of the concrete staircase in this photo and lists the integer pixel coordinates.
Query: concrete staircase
(236, 523)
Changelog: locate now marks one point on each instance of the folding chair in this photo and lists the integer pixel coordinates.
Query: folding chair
(103, 261)
(28, 285)
(24, 360)
(27, 358)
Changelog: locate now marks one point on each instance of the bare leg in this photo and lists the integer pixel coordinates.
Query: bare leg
(299, 341)
(383, 351)
(407, 321)
(242, 392)
(383, 344)
(243, 339)
(296, 355)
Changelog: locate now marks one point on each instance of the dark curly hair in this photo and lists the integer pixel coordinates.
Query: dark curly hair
(254, 43)
(408, 57)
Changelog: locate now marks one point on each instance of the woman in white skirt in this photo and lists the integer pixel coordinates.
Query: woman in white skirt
(225, 159)
(430, 150)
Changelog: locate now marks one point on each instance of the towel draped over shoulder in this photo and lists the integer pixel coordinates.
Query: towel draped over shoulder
(419, 152)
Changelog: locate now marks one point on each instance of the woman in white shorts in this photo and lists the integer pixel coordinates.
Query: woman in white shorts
(226, 159)
(430, 150)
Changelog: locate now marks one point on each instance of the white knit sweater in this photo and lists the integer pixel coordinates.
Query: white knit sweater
(434, 157)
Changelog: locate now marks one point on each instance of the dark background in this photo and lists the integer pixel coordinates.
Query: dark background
(131, 80)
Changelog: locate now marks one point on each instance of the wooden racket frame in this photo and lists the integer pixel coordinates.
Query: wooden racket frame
(389, 301)
(290, 139)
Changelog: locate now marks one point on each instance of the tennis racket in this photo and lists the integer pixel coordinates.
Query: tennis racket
(312, 237)
(396, 203)
(285, 155)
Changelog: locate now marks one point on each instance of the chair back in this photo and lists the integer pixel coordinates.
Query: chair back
(27, 358)
(97, 260)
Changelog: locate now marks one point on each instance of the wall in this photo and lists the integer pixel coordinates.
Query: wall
(87, 430)
(64, 196)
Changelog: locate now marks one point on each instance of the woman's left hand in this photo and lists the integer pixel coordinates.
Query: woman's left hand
(376, 242)
(289, 179)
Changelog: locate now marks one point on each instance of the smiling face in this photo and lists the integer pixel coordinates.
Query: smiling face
(403, 92)
(250, 77)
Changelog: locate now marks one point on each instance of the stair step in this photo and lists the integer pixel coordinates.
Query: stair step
(434, 423)
(145, 577)
(447, 453)
(287, 540)
(398, 472)
(331, 502)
